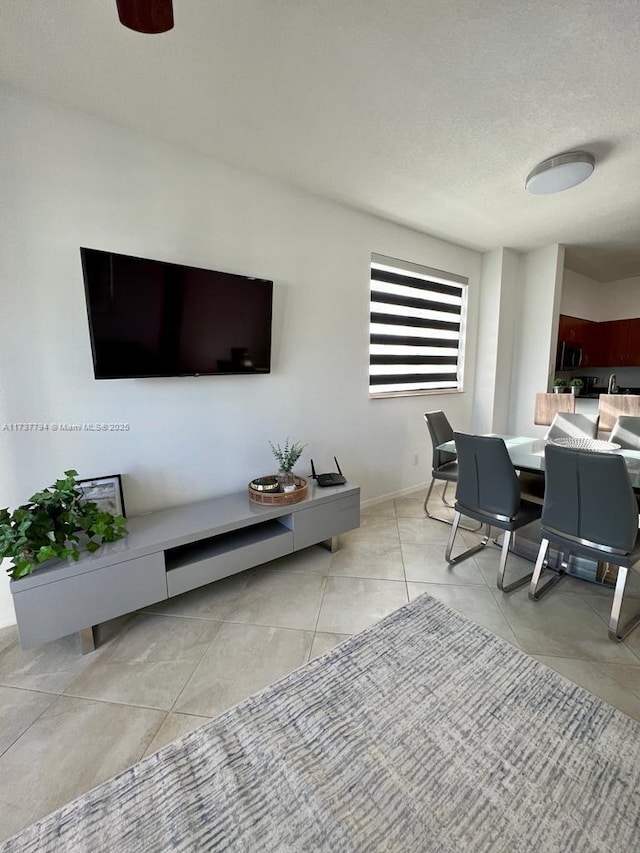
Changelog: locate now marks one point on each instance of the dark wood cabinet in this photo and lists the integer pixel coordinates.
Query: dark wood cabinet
(614, 336)
(614, 343)
(581, 335)
(633, 342)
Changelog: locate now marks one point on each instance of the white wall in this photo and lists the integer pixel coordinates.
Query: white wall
(69, 180)
(620, 299)
(498, 306)
(536, 333)
(581, 296)
(593, 300)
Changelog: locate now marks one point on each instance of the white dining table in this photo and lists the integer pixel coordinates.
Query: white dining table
(527, 454)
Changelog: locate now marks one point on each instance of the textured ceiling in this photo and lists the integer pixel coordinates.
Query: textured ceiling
(427, 113)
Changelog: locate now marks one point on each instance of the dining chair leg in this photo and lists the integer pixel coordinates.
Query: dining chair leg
(616, 632)
(444, 495)
(439, 517)
(454, 529)
(503, 565)
(542, 561)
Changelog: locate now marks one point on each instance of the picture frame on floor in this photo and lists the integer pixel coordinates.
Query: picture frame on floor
(106, 492)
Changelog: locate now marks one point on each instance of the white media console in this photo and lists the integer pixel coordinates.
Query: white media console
(170, 552)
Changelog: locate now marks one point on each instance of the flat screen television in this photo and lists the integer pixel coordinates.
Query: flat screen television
(152, 318)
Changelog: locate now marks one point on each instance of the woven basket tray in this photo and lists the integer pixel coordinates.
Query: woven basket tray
(280, 498)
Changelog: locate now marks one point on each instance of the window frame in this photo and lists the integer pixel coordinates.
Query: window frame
(437, 276)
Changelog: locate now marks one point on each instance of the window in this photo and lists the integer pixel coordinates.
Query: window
(416, 329)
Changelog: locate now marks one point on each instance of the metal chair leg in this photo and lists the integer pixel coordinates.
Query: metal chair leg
(439, 517)
(444, 495)
(454, 529)
(503, 565)
(616, 632)
(535, 593)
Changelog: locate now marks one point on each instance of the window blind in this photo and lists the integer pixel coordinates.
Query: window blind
(416, 328)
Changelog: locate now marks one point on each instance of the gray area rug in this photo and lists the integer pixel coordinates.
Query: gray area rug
(423, 733)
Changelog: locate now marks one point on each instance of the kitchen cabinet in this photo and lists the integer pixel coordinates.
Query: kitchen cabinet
(620, 343)
(614, 343)
(633, 342)
(582, 335)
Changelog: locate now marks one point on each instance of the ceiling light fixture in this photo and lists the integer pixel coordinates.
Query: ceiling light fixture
(560, 173)
(146, 16)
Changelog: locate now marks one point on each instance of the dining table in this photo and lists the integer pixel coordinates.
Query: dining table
(527, 454)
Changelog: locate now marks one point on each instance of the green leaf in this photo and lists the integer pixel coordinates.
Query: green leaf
(92, 546)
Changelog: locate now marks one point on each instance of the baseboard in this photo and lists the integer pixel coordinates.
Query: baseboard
(399, 493)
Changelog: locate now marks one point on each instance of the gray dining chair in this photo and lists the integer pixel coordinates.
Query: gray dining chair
(589, 511)
(444, 465)
(568, 425)
(488, 491)
(626, 432)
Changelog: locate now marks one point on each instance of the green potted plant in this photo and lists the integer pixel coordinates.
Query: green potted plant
(56, 523)
(576, 385)
(287, 457)
(559, 385)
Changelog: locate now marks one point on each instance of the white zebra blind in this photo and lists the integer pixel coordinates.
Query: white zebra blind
(416, 330)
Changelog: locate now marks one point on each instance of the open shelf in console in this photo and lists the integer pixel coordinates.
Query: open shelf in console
(190, 566)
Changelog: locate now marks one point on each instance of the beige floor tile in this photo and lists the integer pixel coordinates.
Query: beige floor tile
(601, 605)
(242, 660)
(149, 663)
(72, 747)
(18, 709)
(426, 564)
(323, 642)
(372, 528)
(488, 561)
(412, 506)
(368, 560)
(423, 531)
(272, 598)
(8, 637)
(314, 560)
(476, 603)
(352, 604)
(385, 509)
(49, 668)
(174, 727)
(560, 624)
(617, 684)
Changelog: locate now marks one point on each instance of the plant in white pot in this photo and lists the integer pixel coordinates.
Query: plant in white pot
(287, 457)
(559, 385)
(576, 386)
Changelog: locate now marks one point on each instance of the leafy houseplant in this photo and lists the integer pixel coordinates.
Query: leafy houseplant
(56, 522)
(576, 385)
(559, 385)
(287, 457)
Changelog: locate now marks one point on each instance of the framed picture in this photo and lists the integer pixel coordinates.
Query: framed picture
(106, 492)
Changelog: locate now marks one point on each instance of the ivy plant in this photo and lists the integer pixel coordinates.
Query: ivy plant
(56, 522)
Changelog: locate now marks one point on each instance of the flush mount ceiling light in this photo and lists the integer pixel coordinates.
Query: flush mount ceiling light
(560, 173)
(146, 16)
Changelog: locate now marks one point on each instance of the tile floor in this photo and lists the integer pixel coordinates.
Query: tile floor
(68, 722)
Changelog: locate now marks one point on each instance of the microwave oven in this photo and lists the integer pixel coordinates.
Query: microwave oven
(568, 356)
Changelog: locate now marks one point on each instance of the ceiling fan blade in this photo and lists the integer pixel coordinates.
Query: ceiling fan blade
(146, 16)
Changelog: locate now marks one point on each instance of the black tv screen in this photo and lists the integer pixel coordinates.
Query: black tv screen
(152, 318)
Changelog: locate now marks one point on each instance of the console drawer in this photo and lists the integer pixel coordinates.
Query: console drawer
(318, 523)
(63, 606)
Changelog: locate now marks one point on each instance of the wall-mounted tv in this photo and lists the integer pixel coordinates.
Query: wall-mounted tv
(152, 318)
